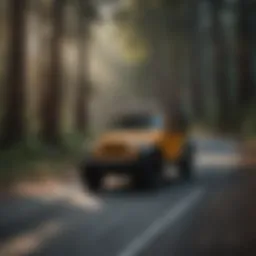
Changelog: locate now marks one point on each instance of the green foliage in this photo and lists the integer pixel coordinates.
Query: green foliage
(32, 159)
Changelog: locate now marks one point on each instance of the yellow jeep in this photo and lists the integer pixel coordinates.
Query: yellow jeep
(138, 145)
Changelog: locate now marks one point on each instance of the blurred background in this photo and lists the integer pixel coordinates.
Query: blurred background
(67, 67)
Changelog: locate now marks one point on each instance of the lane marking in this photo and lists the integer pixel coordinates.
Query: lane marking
(157, 227)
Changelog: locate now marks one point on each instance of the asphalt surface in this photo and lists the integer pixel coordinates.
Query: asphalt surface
(212, 215)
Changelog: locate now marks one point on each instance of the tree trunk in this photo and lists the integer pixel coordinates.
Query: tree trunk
(229, 17)
(252, 41)
(244, 76)
(220, 65)
(70, 57)
(35, 48)
(193, 59)
(52, 98)
(83, 86)
(207, 63)
(176, 24)
(4, 35)
(13, 122)
(246, 86)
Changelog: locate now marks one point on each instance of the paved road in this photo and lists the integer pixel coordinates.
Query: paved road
(171, 221)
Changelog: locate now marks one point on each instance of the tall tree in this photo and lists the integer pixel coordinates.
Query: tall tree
(228, 19)
(51, 100)
(207, 52)
(220, 67)
(3, 55)
(246, 90)
(70, 64)
(35, 55)
(13, 122)
(196, 85)
(85, 13)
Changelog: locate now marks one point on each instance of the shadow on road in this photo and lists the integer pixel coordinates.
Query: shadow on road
(129, 191)
(19, 215)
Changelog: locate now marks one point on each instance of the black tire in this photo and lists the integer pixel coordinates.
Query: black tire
(92, 179)
(149, 171)
(186, 163)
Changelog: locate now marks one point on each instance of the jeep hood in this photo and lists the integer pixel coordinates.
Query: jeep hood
(130, 137)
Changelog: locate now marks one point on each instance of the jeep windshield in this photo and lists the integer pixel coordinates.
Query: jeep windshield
(138, 122)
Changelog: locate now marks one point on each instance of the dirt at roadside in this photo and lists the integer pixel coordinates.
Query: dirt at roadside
(248, 154)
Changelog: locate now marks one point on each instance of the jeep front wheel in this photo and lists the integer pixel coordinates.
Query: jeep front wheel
(93, 180)
(149, 171)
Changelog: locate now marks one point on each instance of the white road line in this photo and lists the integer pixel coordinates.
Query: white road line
(157, 227)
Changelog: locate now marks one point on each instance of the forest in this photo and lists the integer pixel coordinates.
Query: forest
(60, 56)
